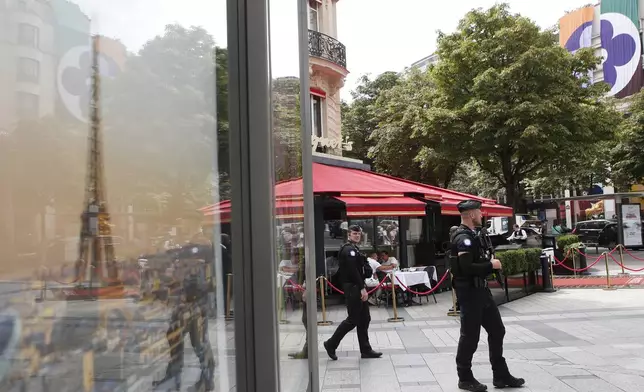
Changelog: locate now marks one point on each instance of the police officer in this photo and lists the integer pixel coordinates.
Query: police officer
(470, 269)
(190, 316)
(353, 270)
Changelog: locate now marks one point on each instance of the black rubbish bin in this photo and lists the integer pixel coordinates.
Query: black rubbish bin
(546, 278)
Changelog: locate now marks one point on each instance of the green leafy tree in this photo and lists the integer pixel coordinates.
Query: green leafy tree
(509, 97)
(627, 155)
(360, 118)
(396, 146)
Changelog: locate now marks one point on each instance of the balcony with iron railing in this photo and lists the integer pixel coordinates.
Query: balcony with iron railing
(327, 48)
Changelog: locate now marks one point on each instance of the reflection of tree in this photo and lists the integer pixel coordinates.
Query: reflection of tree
(286, 128)
(160, 116)
(160, 145)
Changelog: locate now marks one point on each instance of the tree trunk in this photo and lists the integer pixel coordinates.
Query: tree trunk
(513, 194)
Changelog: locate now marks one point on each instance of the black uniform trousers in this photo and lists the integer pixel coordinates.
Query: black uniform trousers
(358, 317)
(478, 309)
(306, 328)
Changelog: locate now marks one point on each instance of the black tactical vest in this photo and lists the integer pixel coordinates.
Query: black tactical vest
(453, 257)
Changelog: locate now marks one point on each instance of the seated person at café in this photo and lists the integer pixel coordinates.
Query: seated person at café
(289, 266)
(375, 266)
(388, 263)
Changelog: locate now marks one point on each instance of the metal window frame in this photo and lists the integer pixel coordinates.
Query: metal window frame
(307, 192)
(256, 333)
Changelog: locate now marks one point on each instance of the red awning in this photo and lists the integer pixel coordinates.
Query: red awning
(449, 208)
(284, 209)
(353, 182)
(383, 206)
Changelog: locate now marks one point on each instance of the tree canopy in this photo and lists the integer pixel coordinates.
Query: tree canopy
(504, 100)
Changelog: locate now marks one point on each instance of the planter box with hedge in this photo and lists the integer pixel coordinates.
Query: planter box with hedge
(520, 269)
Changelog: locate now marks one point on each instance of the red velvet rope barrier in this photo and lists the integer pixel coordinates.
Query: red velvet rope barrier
(625, 267)
(633, 256)
(368, 292)
(425, 292)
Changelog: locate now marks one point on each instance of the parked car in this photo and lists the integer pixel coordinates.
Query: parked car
(600, 232)
(533, 241)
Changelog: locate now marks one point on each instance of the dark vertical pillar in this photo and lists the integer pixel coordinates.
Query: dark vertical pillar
(402, 240)
(320, 256)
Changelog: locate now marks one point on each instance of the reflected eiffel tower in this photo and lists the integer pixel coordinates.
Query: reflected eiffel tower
(96, 243)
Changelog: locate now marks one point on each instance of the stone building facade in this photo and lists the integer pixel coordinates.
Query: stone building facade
(327, 72)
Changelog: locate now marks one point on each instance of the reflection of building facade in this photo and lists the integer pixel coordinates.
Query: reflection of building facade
(327, 70)
(27, 55)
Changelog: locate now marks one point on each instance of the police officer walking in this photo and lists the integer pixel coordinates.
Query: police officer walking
(353, 270)
(470, 269)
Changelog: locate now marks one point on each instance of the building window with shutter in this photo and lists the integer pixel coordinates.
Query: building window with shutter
(314, 17)
(28, 35)
(316, 115)
(28, 70)
(27, 105)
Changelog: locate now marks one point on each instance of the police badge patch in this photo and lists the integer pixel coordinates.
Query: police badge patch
(352, 253)
(467, 242)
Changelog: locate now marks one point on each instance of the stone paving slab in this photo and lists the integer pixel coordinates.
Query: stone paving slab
(572, 340)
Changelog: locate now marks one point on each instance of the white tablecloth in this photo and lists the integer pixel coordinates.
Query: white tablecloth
(410, 278)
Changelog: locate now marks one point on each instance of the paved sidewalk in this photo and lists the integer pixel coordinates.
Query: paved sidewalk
(571, 340)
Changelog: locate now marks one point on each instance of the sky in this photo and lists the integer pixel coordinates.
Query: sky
(380, 35)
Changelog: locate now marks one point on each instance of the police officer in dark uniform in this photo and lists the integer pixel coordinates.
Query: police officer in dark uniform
(190, 316)
(353, 270)
(470, 269)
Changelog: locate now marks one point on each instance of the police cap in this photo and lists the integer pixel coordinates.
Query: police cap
(468, 205)
(355, 228)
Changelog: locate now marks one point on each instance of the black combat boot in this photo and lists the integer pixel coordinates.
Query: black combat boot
(299, 355)
(472, 385)
(508, 381)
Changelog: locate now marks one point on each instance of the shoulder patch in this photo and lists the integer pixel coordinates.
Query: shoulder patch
(352, 253)
(467, 242)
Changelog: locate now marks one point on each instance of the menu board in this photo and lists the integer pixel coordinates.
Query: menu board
(632, 225)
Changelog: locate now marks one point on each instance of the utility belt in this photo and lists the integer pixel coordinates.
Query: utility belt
(471, 281)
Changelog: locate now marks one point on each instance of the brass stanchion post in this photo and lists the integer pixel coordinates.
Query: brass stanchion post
(394, 319)
(574, 263)
(88, 371)
(228, 295)
(454, 311)
(280, 298)
(608, 286)
(323, 302)
(621, 258)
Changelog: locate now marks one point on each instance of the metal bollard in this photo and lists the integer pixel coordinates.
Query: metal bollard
(608, 286)
(394, 319)
(228, 295)
(323, 301)
(546, 274)
(574, 263)
(552, 273)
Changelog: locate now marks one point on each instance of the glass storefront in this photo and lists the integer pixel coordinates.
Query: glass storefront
(143, 243)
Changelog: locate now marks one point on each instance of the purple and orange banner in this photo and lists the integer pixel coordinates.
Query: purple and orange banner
(575, 29)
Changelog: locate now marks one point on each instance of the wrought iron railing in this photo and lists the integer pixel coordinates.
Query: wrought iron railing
(328, 48)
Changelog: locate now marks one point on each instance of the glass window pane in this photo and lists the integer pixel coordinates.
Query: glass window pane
(115, 210)
(290, 261)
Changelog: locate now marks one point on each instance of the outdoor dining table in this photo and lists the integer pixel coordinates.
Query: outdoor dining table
(408, 279)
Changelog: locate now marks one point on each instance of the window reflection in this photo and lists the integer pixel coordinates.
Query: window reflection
(114, 243)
